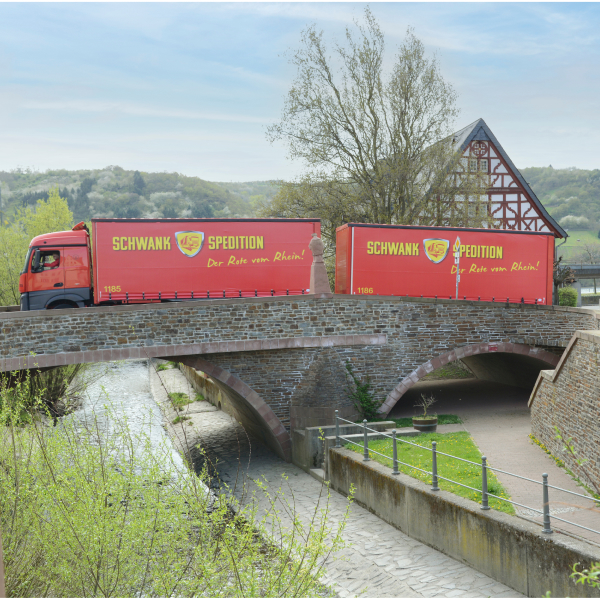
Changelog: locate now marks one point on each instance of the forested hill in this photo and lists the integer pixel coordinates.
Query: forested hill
(571, 196)
(115, 192)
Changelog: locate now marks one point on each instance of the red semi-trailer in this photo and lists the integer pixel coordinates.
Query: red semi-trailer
(412, 261)
(146, 260)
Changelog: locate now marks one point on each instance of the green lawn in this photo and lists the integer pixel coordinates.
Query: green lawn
(573, 247)
(457, 444)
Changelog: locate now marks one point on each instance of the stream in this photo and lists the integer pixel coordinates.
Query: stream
(119, 392)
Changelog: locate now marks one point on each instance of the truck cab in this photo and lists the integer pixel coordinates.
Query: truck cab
(57, 271)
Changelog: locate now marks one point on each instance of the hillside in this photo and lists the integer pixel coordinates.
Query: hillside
(115, 192)
(568, 193)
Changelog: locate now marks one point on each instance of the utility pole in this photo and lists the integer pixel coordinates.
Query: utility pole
(456, 249)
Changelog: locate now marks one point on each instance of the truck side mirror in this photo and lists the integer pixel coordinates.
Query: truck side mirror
(35, 265)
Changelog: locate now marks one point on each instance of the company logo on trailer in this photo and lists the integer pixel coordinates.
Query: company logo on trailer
(436, 249)
(189, 242)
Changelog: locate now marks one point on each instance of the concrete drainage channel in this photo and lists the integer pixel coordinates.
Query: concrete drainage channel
(511, 550)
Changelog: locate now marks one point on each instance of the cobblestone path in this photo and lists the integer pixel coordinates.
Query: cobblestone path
(380, 561)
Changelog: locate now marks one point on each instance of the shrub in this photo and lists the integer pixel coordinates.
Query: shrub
(363, 396)
(84, 514)
(567, 296)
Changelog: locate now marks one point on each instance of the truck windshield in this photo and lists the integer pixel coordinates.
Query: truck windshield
(27, 260)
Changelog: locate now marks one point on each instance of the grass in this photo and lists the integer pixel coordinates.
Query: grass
(442, 420)
(166, 365)
(457, 444)
(179, 400)
(453, 370)
(574, 248)
(180, 418)
(199, 398)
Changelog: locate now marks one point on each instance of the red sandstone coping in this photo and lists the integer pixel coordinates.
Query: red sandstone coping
(592, 336)
(169, 351)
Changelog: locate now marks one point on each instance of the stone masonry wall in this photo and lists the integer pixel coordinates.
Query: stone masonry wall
(569, 398)
(410, 333)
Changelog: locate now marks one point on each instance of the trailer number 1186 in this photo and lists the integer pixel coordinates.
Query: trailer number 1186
(365, 290)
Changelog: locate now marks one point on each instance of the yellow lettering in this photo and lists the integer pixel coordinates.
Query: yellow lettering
(277, 256)
(369, 247)
(142, 243)
(151, 244)
(377, 248)
(131, 243)
(473, 268)
(225, 244)
(212, 263)
(416, 249)
(116, 243)
(211, 242)
(219, 242)
(252, 242)
(468, 252)
(231, 260)
(462, 250)
(498, 251)
(158, 243)
(492, 251)
(167, 243)
(260, 242)
(400, 249)
(408, 249)
(123, 246)
(231, 242)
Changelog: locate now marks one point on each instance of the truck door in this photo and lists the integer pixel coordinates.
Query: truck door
(46, 284)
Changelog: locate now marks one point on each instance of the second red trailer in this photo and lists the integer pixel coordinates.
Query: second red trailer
(402, 260)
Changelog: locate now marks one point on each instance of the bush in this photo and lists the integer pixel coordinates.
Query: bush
(363, 396)
(567, 296)
(84, 514)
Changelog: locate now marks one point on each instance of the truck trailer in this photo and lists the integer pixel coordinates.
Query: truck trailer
(126, 261)
(444, 262)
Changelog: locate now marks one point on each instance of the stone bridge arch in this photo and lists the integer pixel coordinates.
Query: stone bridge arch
(492, 361)
(246, 406)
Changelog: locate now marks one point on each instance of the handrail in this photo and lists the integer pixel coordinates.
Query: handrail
(545, 511)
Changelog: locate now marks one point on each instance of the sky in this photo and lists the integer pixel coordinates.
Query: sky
(191, 87)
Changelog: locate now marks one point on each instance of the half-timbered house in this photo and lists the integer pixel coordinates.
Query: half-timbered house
(512, 204)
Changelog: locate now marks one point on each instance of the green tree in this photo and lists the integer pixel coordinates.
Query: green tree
(138, 183)
(376, 142)
(47, 216)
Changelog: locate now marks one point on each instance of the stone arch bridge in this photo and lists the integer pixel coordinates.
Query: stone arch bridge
(281, 361)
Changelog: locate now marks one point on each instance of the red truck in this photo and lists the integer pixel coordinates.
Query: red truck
(401, 260)
(166, 260)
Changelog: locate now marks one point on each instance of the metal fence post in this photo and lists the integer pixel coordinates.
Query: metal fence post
(395, 453)
(366, 441)
(337, 430)
(546, 505)
(484, 485)
(434, 477)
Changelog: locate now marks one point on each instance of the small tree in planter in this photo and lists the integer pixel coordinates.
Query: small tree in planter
(425, 422)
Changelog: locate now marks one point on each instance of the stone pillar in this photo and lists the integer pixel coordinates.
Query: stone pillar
(319, 282)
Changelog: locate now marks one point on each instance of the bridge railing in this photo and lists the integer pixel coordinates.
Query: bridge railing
(435, 476)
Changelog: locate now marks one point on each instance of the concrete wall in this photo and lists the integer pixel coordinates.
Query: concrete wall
(569, 398)
(504, 547)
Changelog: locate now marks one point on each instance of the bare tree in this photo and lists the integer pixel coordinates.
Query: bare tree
(376, 142)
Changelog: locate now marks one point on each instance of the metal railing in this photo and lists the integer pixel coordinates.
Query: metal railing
(435, 476)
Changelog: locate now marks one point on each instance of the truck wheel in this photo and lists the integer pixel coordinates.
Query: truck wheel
(63, 305)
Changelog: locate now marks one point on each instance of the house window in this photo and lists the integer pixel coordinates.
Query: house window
(483, 165)
(473, 164)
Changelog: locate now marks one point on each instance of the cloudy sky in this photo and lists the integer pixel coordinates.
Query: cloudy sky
(191, 87)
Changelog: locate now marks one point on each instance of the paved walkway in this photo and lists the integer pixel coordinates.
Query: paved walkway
(498, 419)
(380, 561)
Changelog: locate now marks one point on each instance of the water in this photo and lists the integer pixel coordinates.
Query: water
(120, 393)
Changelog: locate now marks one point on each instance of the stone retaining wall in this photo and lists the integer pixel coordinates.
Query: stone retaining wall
(569, 398)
